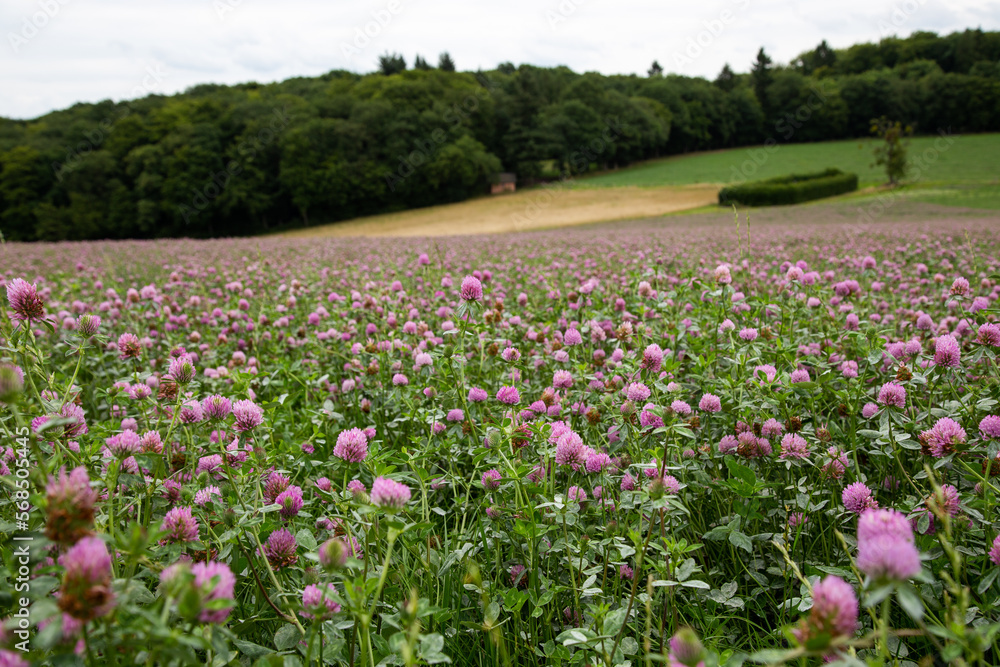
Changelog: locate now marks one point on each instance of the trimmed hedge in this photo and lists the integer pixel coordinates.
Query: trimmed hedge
(792, 189)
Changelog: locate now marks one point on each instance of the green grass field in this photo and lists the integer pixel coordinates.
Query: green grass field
(965, 173)
(973, 195)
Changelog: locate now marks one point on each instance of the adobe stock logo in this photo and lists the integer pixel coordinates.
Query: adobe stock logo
(223, 7)
(901, 13)
(32, 25)
(562, 12)
(363, 35)
(713, 29)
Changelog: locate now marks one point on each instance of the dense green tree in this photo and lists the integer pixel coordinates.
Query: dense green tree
(804, 109)
(569, 126)
(445, 63)
(867, 96)
(316, 164)
(90, 201)
(254, 194)
(986, 69)
(461, 167)
(127, 132)
(917, 69)
(742, 105)
(956, 103)
(193, 177)
(762, 76)
(726, 79)
(822, 58)
(641, 130)
(391, 63)
(860, 58)
(23, 183)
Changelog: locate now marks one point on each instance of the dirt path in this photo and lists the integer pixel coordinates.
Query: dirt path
(539, 208)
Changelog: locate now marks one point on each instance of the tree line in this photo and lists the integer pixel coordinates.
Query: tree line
(233, 160)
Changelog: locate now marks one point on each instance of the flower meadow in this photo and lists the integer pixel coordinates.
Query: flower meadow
(627, 445)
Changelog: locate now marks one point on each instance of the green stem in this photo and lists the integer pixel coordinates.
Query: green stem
(393, 534)
(884, 629)
(69, 388)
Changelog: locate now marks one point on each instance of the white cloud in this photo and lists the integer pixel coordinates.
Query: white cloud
(58, 52)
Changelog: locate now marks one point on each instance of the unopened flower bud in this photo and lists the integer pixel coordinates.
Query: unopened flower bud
(11, 383)
(333, 554)
(686, 648)
(87, 325)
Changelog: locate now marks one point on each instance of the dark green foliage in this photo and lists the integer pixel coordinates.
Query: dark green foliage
(391, 63)
(23, 177)
(445, 63)
(986, 69)
(823, 56)
(793, 189)
(958, 52)
(762, 77)
(234, 160)
(726, 79)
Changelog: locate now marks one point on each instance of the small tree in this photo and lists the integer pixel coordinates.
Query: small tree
(824, 56)
(726, 79)
(420, 63)
(391, 63)
(890, 152)
(445, 63)
(762, 77)
(655, 69)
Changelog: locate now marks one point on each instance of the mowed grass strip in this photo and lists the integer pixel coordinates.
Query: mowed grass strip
(977, 196)
(556, 205)
(967, 159)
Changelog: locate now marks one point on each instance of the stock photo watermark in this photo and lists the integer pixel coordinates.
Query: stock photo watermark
(562, 13)
(21, 559)
(371, 30)
(33, 24)
(712, 30)
(223, 7)
(900, 14)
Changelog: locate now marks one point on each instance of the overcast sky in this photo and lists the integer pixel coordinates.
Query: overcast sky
(57, 52)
